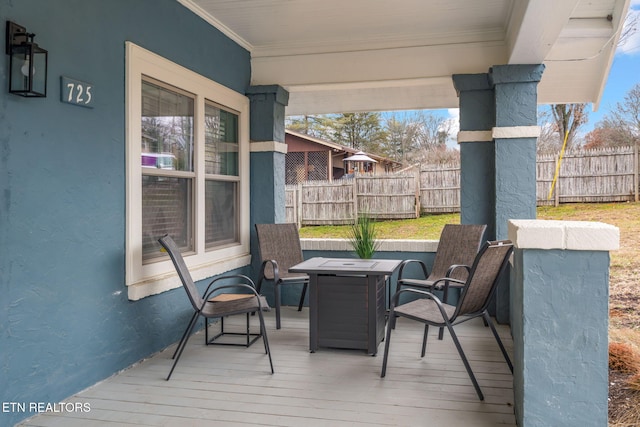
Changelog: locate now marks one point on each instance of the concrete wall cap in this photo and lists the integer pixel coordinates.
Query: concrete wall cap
(386, 245)
(568, 235)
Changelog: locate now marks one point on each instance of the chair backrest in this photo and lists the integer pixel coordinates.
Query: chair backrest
(183, 272)
(279, 242)
(459, 244)
(483, 278)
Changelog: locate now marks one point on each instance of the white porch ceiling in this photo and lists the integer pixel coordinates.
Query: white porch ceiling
(377, 55)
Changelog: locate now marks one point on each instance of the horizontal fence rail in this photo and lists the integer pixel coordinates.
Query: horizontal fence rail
(599, 175)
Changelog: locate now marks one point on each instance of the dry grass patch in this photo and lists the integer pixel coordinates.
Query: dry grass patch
(622, 358)
(634, 383)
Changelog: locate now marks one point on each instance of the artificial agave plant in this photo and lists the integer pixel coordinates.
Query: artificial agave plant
(362, 237)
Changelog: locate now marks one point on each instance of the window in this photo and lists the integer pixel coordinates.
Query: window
(187, 173)
(167, 123)
(221, 167)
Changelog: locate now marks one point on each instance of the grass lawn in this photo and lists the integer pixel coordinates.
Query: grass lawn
(427, 227)
(624, 287)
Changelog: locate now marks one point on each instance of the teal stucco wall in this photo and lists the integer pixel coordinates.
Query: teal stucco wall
(65, 320)
(559, 330)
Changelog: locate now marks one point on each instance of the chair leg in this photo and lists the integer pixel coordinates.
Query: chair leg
(276, 291)
(304, 293)
(387, 342)
(424, 339)
(184, 335)
(248, 332)
(259, 285)
(183, 343)
(440, 333)
(465, 362)
(489, 322)
(395, 303)
(265, 340)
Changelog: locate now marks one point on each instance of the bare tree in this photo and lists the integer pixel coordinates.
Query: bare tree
(609, 133)
(568, 119)
(413, 137)
(629, 29)
(621, 126)
(401, 144)
(627, 112)
(434, 131)
(549, 139)
(555, 122)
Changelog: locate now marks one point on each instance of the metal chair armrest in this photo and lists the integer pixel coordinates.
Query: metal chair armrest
(450, 270)
(411, 261)
(276, 271)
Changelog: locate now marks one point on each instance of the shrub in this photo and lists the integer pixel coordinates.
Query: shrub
(622, 358)
(634, 382)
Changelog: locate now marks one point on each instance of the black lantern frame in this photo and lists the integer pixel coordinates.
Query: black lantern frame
(27, 63)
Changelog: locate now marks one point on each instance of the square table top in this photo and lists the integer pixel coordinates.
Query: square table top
(347, 266)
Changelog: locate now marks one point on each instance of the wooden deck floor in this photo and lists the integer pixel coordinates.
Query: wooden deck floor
(223, 385)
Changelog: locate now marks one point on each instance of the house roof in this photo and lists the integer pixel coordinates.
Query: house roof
(338, 148)
(372, 55)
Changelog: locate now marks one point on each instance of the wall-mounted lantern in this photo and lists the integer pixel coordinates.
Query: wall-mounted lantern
(27, 63)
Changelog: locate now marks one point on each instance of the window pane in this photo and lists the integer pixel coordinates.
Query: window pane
(167, 128)
(166, 209)
(221, 141)
(221, 224)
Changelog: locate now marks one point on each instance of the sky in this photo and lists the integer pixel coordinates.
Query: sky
(624, 73)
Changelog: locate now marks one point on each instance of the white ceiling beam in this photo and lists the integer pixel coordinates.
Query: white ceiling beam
(435, 94)
(534, 28)
(376, 65)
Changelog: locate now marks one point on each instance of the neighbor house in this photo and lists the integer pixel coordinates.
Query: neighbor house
(314, 159)
(167, 116)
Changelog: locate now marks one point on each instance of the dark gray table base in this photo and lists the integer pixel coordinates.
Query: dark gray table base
(346, 311)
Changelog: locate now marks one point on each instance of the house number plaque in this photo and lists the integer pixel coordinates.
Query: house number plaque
(76, 92)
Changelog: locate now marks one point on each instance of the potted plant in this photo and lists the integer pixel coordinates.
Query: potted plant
(362, 237)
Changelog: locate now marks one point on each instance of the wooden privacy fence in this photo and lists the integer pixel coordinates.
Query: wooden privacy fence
(600, 175)
(440, 188)
(341, 201)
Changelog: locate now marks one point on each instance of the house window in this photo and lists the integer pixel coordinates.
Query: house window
(221, 167)
(187, 173)
(167, 122)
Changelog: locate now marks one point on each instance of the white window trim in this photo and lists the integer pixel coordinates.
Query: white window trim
(149, 279)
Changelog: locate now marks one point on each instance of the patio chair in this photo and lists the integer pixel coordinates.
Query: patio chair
(217, 307)
(458, 246)
(476, 294)
(280, 249)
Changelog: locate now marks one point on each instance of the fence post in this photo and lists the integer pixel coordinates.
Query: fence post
(355, 197)
(636, 172)
(298, 196)
(294, 206)
(556, 184)
(416, 177)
